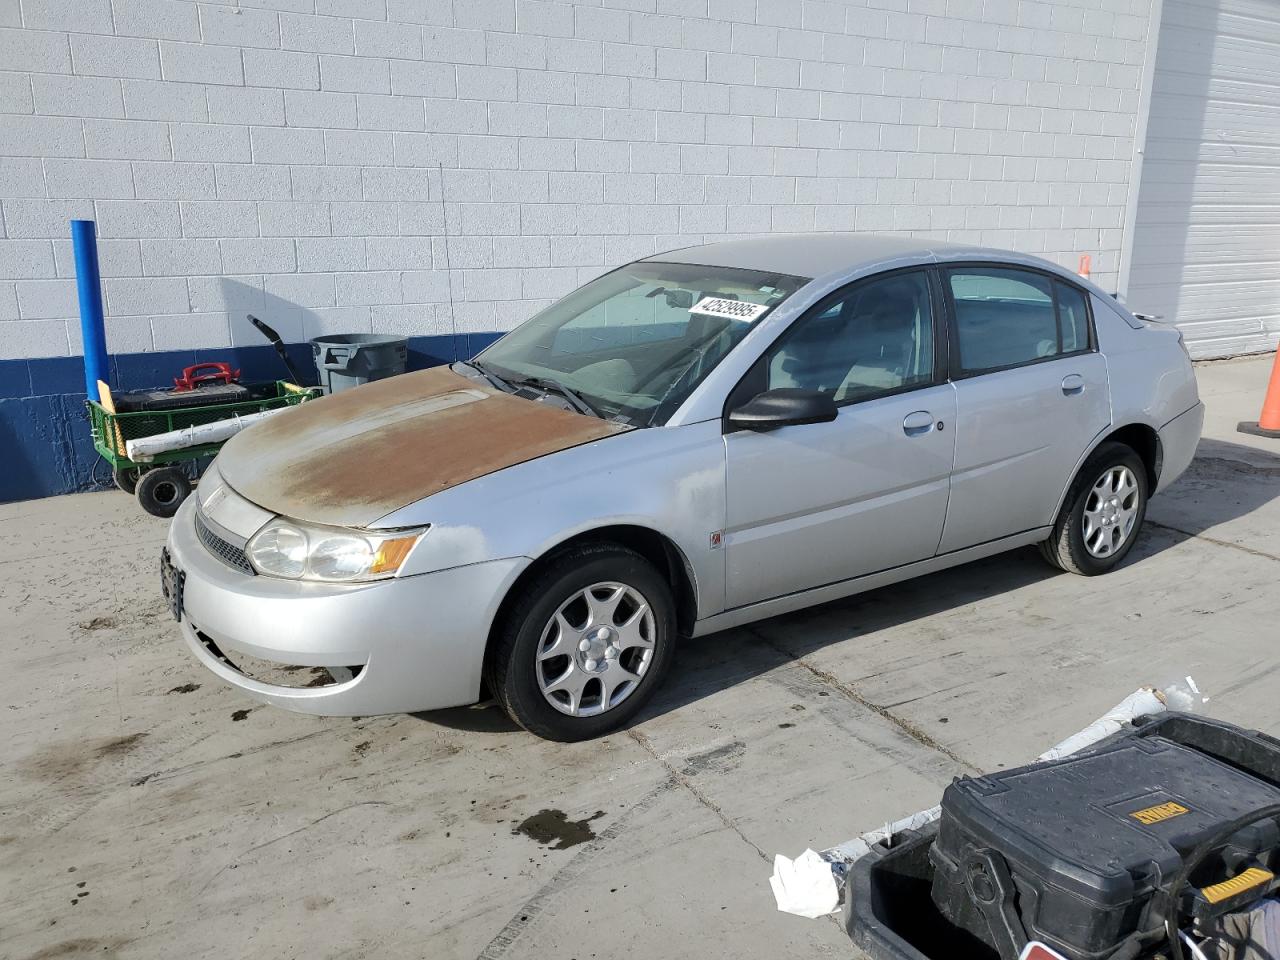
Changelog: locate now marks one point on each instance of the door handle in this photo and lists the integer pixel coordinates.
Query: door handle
(918, 423)
(1072, 384)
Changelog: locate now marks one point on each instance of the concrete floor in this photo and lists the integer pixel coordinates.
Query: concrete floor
(147, 811)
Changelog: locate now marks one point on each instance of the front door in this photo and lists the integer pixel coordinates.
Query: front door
(819, 503)
(1032, 396)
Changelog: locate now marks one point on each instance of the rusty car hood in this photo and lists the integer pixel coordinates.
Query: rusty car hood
(353, 457)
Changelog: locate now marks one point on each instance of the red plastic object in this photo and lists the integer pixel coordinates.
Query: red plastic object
(1038, 951)
(215, 373)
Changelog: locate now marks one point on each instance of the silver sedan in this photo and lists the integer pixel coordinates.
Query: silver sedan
(690, 442)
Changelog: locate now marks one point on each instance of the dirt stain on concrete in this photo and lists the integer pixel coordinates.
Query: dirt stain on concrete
(68, 758)
(553, 828)
(114, 746)
(721, 758)
(105, 947)
(99, 623)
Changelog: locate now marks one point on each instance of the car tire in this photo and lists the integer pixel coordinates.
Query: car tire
(1112, 489)
(160, 492)
(543, 665)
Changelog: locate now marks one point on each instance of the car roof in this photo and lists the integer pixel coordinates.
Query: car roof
(817, 254)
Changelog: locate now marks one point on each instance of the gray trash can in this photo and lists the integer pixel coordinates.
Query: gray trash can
(346, 360)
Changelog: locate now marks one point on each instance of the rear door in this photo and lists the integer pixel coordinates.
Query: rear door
(1031, 397)
(819, 503)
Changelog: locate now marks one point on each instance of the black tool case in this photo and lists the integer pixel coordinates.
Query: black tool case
(170, 399)
(1079, 853)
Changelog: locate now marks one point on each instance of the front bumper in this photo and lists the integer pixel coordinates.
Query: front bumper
(415, 643)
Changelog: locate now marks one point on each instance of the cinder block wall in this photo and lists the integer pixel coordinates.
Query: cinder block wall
(342, 165)
(284, 156)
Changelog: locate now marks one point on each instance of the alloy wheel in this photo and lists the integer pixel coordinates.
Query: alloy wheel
(595, 649)
(1110, 511)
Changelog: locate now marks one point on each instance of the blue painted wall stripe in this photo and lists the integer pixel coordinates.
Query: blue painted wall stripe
(44, 430)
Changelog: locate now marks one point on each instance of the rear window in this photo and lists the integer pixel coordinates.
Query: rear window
(1074, 313)
(1007, 317)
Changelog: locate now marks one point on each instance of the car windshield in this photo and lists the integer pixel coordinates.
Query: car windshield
(632, 344)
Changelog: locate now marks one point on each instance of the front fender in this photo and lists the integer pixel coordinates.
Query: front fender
(666, 479)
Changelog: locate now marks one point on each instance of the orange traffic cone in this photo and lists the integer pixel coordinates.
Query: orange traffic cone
(1268, 423)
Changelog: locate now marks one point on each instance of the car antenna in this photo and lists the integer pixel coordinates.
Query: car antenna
(448, 273)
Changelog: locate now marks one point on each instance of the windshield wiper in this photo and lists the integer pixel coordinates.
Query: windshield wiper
(488, 374)
(546, 384)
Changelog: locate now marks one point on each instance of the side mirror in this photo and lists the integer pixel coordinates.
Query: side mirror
(783, 407)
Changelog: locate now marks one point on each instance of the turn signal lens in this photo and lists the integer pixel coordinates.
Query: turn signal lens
(392, 554)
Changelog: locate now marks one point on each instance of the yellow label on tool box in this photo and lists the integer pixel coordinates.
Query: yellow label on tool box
(1159, 813)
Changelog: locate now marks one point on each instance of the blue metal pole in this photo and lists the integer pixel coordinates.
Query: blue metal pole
(93, 331)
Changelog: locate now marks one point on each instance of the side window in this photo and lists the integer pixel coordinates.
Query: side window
(876, 338)
(1003, 317)
(1006, 317)
(1073, 314)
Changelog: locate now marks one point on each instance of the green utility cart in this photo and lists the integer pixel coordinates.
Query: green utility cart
(163, 482)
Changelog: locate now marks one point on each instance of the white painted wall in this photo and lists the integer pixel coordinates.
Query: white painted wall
(1207, 229)
(280, 156)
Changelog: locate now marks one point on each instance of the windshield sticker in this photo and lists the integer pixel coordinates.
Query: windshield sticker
(731, 309)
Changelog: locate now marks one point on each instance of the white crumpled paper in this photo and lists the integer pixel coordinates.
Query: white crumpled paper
(805, 886)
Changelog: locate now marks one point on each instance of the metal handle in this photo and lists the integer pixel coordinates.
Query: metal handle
(918, 423)
(1072, 384)
(265, 330)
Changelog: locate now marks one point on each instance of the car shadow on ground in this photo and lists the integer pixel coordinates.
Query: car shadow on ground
(708, 664)
(1225, 482)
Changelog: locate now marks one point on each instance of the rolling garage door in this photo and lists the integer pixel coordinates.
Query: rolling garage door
(1206, 243)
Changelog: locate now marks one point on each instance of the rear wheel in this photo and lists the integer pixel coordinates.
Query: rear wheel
(1103, 512)
(584, 644)
(161, 491)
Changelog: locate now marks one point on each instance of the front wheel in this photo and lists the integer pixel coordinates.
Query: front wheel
(584, 644)
(1103, 513)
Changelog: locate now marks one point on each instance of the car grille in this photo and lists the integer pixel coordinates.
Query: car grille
(228, 553)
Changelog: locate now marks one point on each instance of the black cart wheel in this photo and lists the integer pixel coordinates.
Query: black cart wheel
(126, 478)
(161, 491)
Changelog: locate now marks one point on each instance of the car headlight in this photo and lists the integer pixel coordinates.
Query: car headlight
(295, 551)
